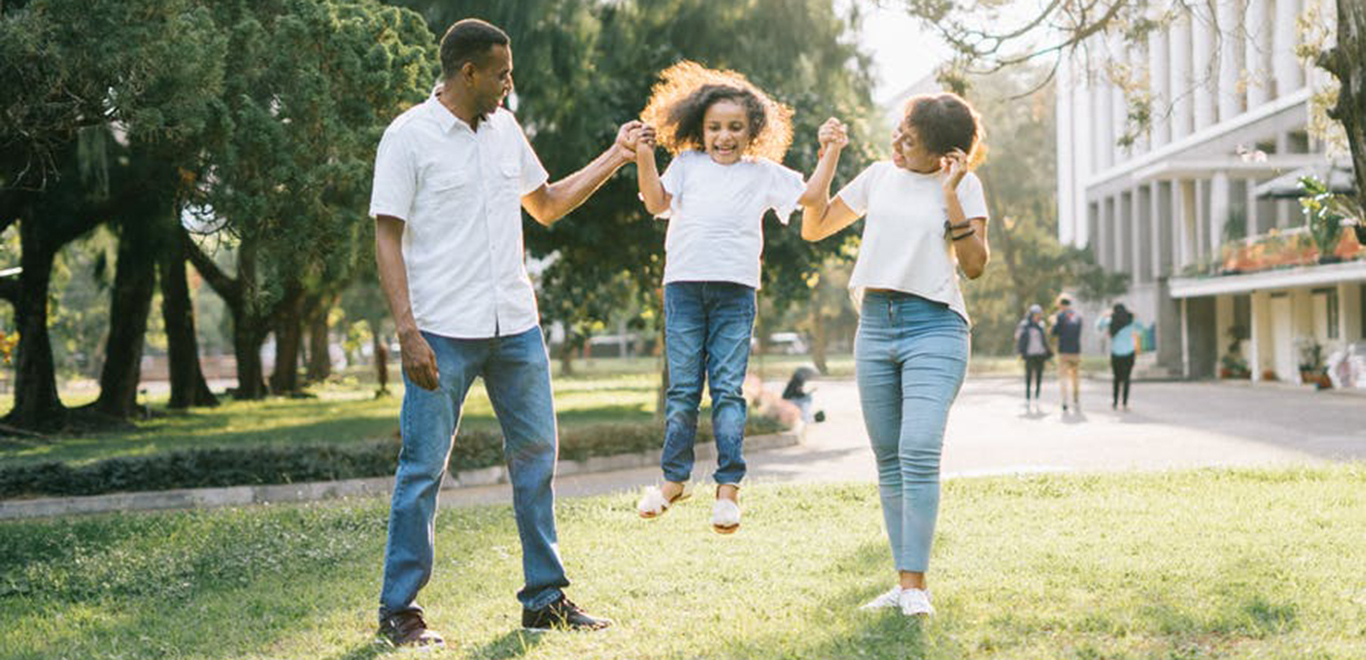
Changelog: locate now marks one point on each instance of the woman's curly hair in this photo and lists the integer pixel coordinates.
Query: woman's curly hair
(679, 101)
(945, 122)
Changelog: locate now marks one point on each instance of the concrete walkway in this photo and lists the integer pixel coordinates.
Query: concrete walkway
(1172, 425)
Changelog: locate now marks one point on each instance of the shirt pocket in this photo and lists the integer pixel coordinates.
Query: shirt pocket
(509, 176)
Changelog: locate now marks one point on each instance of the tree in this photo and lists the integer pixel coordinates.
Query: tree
(68, 89)
(310, 87)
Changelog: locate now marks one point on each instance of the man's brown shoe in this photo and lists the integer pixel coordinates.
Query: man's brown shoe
(408, 629)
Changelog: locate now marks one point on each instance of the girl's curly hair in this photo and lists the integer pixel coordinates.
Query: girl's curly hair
(679, 101)
(945, 122)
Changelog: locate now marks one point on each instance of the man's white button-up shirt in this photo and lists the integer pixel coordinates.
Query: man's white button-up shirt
(459, 192)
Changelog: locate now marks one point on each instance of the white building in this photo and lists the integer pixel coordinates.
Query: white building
(1229, 112)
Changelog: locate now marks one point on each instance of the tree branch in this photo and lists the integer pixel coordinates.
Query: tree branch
(226, 287)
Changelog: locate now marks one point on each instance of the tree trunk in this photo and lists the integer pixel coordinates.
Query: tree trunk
(381, 361)
(819, 336)
(567, 350)
(36, 404)
(288, 338)
(1344, 61)
(188, 387)
(319, 357)
(246, 346)
(130, 303)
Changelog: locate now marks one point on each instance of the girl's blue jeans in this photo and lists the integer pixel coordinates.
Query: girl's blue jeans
(707, 329)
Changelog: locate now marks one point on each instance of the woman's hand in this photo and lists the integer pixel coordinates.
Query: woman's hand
(954, 165)
(832, 133)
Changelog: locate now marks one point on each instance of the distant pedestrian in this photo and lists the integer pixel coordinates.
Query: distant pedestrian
(1031, 342)
(1067, 326)
(1126, 341)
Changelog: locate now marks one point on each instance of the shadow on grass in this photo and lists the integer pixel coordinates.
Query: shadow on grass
(1167, 626)
(366, 651)
(512, 644)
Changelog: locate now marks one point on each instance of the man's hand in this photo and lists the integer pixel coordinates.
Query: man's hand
(627, 137)
(419, 362)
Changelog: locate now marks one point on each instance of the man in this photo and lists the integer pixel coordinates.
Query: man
(451, 177)
(1067, 331)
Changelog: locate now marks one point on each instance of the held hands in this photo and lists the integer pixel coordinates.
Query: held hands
(627, 138)
(645, 141)
(954, 165)
(832, 133)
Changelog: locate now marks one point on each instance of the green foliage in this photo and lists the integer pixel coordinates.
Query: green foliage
(1323, 214)
(294, 463)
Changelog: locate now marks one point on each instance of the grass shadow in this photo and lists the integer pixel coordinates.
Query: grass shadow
(512, 644)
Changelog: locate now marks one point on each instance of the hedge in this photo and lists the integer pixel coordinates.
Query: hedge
(276, 464)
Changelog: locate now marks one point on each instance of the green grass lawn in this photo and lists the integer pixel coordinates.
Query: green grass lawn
(337, 414)
(1178, 566)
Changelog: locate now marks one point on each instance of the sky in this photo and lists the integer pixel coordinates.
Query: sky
(902, 51)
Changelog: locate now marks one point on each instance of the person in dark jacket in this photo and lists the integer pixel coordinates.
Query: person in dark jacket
(1031, 342)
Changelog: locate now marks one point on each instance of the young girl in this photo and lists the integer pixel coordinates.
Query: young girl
(727, 137)
(926, 217)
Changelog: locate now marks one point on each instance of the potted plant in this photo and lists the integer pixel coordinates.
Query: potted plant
(1312, 370)
(1233, 365)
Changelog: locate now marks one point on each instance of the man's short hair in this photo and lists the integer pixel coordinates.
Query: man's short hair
(1064, 301)
(468, 40)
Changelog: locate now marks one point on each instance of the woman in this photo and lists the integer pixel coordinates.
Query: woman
(1031, 342)
(926, 218)
(1125, 343)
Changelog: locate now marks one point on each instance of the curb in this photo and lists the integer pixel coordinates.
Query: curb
(207, 498)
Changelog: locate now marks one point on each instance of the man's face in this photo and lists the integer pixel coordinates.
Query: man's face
(491, 79)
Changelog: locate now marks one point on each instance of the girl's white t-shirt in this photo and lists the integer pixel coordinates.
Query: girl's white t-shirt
(716, 216)
(904, 245)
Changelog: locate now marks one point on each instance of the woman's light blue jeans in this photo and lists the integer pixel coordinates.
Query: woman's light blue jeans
(910, 358)
(516, 373)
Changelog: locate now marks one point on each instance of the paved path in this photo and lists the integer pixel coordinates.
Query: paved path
(1172, 425)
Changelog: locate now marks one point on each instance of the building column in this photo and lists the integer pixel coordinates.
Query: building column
(1230, 59)
(1257, 52)
(1159, 84)
(1218, 212)
(1205, 76)
(1184, 218)
(1259, 333)
(1284, 65)
(1180, 74)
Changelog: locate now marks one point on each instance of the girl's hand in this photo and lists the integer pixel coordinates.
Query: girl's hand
(955, 165)
(832, 133)
(628, 136)
(645, 141)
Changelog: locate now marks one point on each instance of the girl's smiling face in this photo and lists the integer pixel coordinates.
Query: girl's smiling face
(909, 153)
(725, 131)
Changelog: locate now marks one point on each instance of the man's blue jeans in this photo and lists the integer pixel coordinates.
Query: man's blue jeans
(910, 356)
(516, 373)
(707, 328)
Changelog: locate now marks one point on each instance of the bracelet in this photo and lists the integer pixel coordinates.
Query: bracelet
(949, 227)
(965, 234)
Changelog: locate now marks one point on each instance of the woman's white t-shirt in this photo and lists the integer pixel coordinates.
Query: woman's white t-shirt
(904, 245)
(716, 216)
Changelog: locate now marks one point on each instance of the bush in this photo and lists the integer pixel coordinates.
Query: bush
(284, 464)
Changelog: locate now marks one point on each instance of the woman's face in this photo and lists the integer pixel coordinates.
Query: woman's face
(725, 131)
(909, 153)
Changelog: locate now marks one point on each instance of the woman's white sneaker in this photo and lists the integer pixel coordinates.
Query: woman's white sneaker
(885, 601)
(916, 602)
